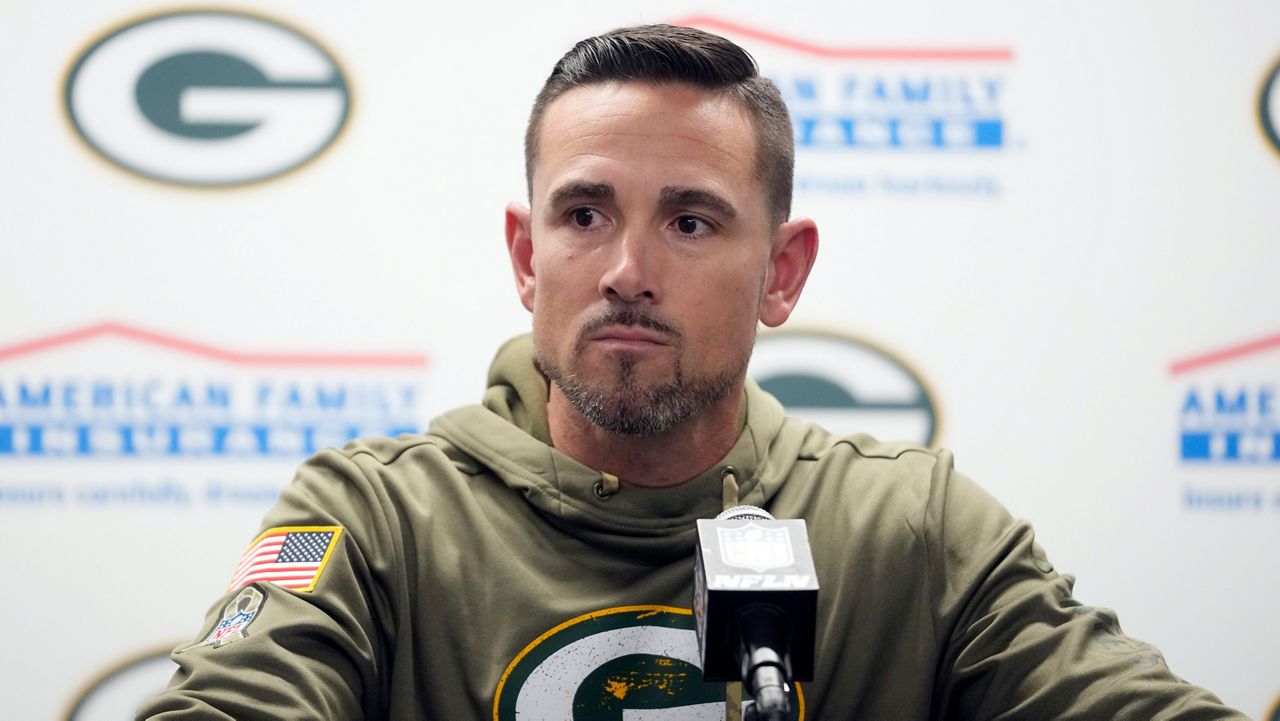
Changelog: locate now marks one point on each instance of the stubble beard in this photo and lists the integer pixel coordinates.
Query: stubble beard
(627, 406)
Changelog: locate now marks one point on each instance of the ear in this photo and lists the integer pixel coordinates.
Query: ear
(795, 246)
(520, 247)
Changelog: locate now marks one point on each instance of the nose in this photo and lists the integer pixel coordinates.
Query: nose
(631, 274)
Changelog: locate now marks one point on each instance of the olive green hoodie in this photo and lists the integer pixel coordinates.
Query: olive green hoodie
(475, 572)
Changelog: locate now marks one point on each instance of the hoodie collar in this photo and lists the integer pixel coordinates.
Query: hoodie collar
(508, 433)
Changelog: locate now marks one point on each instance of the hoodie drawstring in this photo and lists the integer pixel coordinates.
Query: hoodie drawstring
(607, 485)
(729, 487)
(729, 499)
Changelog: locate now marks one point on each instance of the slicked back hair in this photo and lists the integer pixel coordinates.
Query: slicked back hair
(673, 54)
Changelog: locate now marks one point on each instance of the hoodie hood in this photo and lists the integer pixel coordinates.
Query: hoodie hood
(509, 434)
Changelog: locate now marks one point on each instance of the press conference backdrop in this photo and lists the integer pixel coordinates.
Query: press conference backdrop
(235, 233)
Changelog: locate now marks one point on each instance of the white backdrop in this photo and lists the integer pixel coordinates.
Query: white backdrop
(1097, 209)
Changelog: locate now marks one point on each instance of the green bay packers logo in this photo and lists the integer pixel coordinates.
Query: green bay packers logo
(207, 98)
(634, 663)
(1269, 106)
(845, 384)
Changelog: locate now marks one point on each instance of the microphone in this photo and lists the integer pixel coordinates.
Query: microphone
(756, 605)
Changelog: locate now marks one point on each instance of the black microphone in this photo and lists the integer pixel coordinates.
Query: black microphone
(756, 605)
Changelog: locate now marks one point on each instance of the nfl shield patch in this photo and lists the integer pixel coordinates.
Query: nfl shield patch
(756, 547)
(236, 617)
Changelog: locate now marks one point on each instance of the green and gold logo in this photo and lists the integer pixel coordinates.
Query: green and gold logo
(634, 663)
(846, 384)
(1269, 106)
(207, 98)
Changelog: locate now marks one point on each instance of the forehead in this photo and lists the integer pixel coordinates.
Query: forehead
(676, 130)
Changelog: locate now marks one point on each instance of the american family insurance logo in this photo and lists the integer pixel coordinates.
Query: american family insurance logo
(1230, 411)
(207, 97)
(928, 120)
(1229, 426)
(187, 412)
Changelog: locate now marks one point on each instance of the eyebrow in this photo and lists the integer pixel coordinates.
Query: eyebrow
(671, 195)
(674, 195)
(580, 190)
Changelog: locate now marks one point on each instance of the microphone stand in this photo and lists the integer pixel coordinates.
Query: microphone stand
(764, 657)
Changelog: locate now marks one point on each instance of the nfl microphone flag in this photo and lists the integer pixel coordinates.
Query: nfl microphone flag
(747, 559)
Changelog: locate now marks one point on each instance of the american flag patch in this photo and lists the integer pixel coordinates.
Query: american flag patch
(290, 556)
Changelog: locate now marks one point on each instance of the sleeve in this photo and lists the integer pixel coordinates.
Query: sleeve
(298, 634)
(1014, 642)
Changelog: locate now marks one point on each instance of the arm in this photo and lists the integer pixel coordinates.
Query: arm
(297, 653)
(1015, 643)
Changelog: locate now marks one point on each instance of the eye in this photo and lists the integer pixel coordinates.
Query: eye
(584, 217)
(692, 226)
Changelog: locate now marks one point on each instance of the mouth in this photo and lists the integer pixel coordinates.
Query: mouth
(629, 337)
(626, 330)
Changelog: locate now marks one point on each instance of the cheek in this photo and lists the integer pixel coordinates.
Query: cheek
(726, 309)
(558, 294)
(737, 294)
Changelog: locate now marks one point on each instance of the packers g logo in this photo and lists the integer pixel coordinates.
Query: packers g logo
(635, 663)
(846, 385)
(115, 693)
(1269, 107)
(206, 98)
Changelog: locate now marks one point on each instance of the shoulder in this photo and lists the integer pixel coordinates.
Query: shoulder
(919, 486)
(405, 453)
(380, 472)
(862, 459)
(906, 480)
(858, 477)
(902, 455)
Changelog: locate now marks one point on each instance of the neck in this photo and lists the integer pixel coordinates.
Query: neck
(659, 460)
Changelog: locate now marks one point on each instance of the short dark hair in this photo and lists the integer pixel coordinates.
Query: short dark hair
(673, 54)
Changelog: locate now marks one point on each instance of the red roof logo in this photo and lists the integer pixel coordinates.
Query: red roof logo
(717, 25)
(1223, 355)
(231, 357)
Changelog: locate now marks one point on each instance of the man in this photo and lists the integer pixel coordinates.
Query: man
(531, 557)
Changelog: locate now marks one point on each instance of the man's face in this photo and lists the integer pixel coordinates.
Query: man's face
(650, 251)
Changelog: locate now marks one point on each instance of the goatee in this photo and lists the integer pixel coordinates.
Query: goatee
(625, 405)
